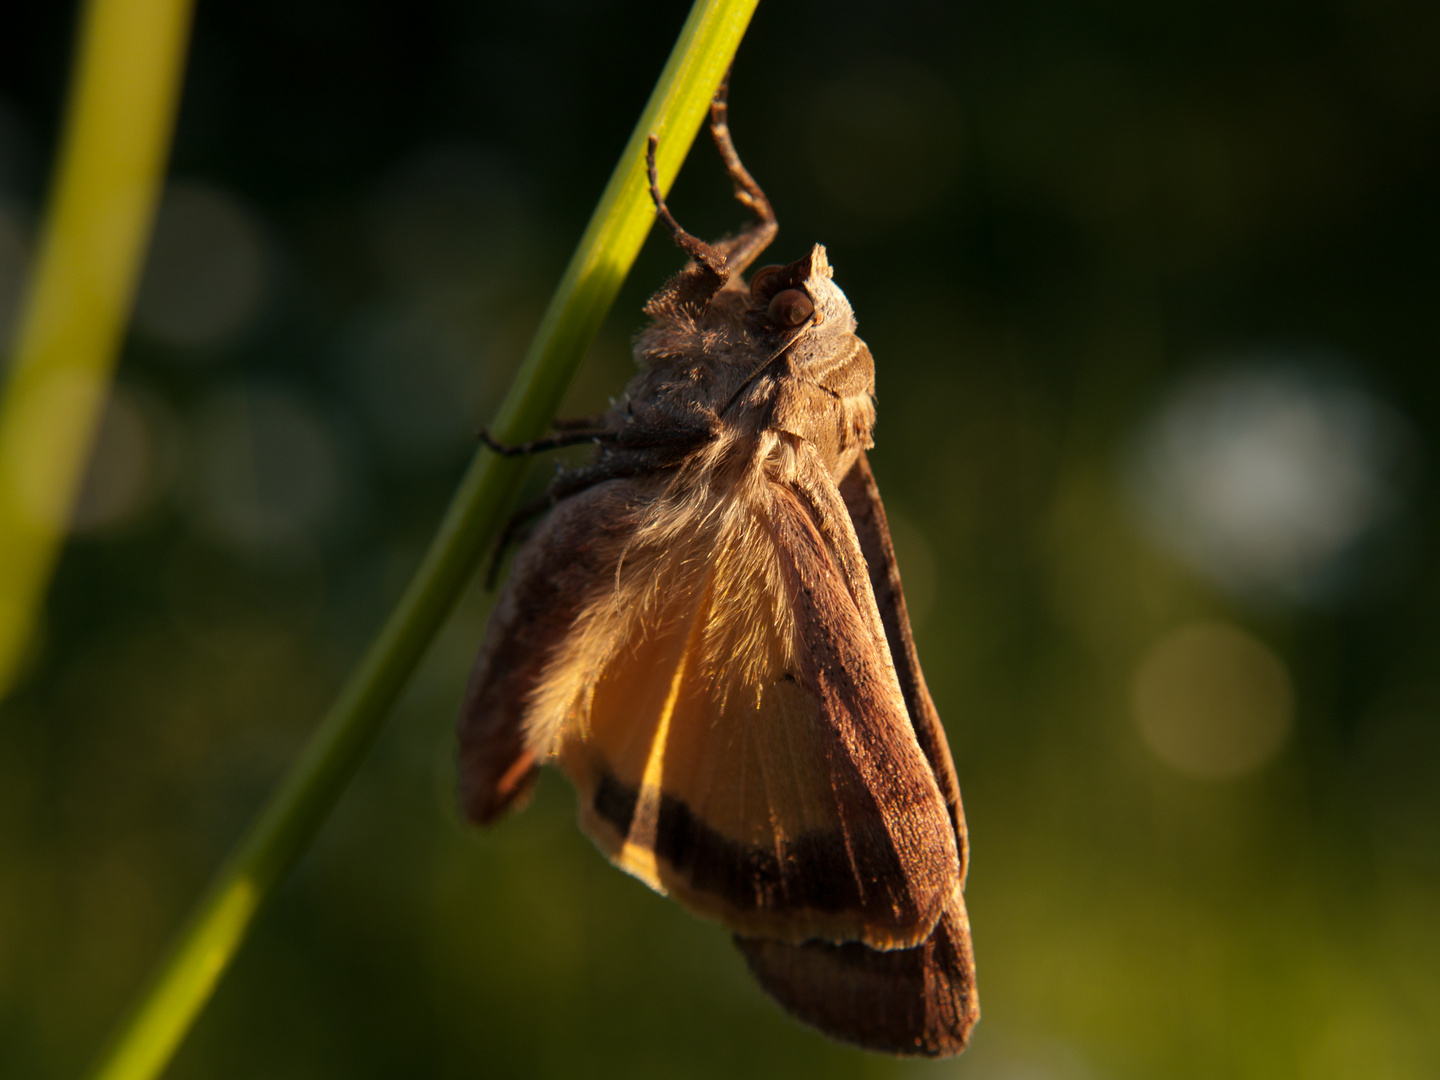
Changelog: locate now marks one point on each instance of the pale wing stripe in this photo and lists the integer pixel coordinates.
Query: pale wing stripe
(637, 855)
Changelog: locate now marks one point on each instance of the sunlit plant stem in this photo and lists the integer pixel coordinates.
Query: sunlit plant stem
(288, 823)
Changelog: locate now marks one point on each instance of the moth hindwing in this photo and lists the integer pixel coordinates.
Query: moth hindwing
(707, 634)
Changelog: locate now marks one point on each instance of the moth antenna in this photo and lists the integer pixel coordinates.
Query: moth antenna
(740, 251)
(693, 246)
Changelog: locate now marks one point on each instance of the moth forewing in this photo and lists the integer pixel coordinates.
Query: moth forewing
(919, 1001)
(731, 749)
(708, 636)
(867, 514)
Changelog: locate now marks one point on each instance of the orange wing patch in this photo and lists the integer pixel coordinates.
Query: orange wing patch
(731, 753)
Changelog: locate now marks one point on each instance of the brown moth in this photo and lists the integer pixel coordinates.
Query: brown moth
(708, 635)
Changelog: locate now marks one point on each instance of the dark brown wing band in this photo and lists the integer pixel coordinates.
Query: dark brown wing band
(916, 1002)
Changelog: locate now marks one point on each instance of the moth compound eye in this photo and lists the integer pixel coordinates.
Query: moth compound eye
(790, 308)
(757, 283)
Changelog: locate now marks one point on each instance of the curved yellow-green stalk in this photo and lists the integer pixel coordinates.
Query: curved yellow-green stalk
(117, 138)
(149, 1036)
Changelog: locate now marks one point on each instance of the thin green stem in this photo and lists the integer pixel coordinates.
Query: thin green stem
(118, 125)
(287, 825)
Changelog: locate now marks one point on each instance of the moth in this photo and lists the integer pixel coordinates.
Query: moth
(707, 634)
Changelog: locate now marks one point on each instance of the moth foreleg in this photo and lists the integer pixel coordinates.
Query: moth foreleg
(593, 422)
(558, 441)
(705, 255)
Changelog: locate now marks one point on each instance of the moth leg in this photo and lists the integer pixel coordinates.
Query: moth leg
(704, 255)
(740, 251)
(557, 441)
(593, 422)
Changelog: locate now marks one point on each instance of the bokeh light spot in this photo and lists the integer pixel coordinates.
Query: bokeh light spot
(205, 278)
(130, 464)
(451, 217)
(268, 471)
(1266, 479)
(1212, 701)
(421, 380)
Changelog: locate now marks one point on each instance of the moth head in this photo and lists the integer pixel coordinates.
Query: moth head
(802, 308)
(802, 295)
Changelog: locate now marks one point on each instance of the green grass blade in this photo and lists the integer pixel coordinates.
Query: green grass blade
(287, 825)
(118, 126)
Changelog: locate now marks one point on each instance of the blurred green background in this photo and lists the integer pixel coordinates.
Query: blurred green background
(1152, 292)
